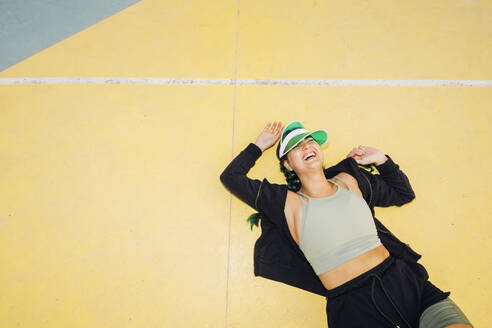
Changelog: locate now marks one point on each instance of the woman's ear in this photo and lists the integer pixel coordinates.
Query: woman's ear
(287, 166)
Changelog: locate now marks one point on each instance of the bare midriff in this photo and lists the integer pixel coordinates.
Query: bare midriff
(354, 267)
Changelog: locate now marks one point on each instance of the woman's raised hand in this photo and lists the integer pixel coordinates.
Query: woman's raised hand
(269, 136)
(367, 155)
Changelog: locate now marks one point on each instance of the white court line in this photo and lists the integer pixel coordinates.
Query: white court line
(97, 80)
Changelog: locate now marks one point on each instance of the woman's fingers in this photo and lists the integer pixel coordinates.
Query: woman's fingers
(275, 128)
(279, 128)
(360, 150)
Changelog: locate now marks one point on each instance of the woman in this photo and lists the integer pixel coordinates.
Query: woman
(332, 224)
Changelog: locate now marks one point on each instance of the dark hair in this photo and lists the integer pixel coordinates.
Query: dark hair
(293, 184)
(293, 181)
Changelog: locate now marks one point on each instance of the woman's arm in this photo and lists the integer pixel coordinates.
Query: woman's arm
(234, 176)
(391, 186)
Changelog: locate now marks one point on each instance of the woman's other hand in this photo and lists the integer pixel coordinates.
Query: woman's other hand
(367, 155)
(269, 136)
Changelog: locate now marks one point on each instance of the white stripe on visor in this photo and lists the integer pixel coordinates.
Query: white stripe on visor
(291, 135)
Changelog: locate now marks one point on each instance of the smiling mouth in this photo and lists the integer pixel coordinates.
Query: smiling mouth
(311, 157)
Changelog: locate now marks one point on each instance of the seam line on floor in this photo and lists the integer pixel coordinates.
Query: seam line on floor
(129, 80)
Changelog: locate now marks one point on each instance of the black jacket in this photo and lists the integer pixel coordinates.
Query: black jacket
(276, 254)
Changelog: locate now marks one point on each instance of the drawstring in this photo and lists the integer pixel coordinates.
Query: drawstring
(387, 295)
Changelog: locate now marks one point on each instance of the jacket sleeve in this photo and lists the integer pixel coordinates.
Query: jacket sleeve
(391, 186)
(234, 176)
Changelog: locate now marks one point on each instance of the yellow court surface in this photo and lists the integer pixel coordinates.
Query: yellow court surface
(112, 213)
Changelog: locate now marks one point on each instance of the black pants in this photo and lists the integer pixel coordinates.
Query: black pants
(392, 294)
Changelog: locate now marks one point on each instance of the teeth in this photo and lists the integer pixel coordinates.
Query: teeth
(309, 155)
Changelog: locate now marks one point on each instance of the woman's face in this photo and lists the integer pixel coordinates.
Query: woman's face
(298, 158)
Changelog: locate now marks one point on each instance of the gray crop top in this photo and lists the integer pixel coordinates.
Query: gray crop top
(336, 228)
